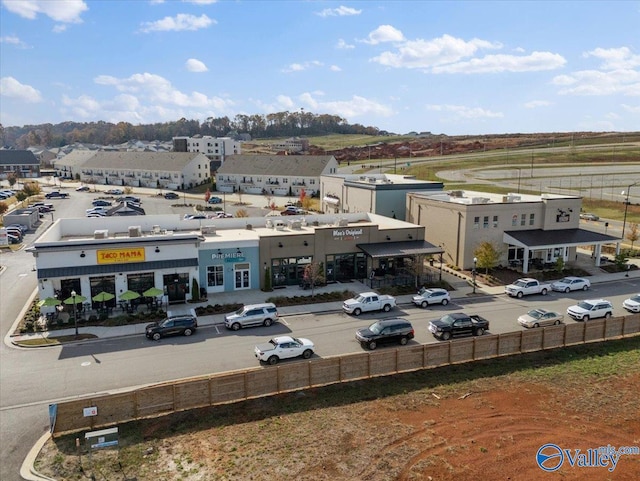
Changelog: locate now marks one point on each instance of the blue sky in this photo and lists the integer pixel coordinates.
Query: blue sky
(445, 67)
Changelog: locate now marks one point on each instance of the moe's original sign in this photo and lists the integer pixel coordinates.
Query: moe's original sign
(346, 234)
(120, 256)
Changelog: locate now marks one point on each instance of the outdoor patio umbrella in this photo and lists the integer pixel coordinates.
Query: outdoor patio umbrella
(129, 296)
(103, 296)
(79, 300)
(153, 292)
(49, 302)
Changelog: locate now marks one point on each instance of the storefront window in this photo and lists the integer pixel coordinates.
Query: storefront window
(104, 284)
(215, 276)
(140, 282)
(289, 271)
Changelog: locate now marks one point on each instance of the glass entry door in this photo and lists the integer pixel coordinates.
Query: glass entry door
(241, 276)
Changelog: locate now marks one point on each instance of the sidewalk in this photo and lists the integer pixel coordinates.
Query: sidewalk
(461, 284)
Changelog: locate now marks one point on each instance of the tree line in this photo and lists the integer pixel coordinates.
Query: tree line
(280, 124)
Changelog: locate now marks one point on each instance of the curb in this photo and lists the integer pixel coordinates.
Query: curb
(27, 470)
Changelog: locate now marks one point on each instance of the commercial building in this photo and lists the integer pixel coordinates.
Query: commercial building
(383, 194)
(116, 254)
(526, 230)
(23, 164)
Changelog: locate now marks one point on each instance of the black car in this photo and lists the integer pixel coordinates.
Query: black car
(171, 195)
(56, 195)
(172, 326)
(101, 203)
(388, 330)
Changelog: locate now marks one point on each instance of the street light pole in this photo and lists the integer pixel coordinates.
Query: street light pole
(473, 273)
(75, 314)
(626, 206)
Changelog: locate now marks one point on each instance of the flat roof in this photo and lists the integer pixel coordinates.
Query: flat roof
(470, 197)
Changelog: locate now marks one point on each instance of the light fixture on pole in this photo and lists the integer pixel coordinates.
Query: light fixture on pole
(75, 312)
(626, 206)
(473, 273)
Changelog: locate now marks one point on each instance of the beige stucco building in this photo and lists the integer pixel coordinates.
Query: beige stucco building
(526, 229)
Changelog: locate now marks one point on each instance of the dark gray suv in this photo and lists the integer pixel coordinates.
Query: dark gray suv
(388, 330)
(172, 326)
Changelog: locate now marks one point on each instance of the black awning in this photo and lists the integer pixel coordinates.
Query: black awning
(539, 238)
(101, 269)
(399, 249)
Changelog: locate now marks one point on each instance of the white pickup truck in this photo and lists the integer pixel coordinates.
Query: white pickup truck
(367, 302)
(527, 286)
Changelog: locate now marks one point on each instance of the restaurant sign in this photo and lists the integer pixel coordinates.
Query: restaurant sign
(346, 234)
(120, 256)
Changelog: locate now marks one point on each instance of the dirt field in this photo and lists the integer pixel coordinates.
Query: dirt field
(487, 424)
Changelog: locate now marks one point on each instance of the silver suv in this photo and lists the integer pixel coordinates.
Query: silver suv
(590, 309)
(252, 315)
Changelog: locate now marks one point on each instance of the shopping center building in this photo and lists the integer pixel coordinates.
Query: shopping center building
(118, 254)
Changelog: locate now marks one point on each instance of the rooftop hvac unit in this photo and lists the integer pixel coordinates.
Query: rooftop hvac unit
(480, 200)
(135, 231)
(208, 229)
(155, 229)
(269, 224)
(296, 224)
(249, 227)
(101, 234)
(456, 193)
(343, 222)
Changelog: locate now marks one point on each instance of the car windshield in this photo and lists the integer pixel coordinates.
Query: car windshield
(636, 298)
(535, 313)
(239, 311)
(360, 299)
(520, 283)
(447, 319)
(566, 280)
(376, 328)
(585, 305)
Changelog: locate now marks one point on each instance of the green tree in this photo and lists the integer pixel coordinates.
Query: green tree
(195, 290)
(267, 280)
(488, 255)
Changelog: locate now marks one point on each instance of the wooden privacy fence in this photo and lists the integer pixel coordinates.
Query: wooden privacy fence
(236, 386)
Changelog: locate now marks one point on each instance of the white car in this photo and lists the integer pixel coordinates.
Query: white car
(115, 191)
(284, 347)
(571, 284)
(632, 304)
(590, 309)
(98, 210)
(427, 297)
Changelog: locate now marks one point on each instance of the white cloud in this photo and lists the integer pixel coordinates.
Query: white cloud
(10, 87)
(335, 68)
(431, 53)
(615, 58)
(384, 33)
(595, 82)
(180, 22)
(299, 67)
(464, 112)
(13, 40)
(534, 104)
(535, 62)
(341, 11)
(342, 45)
(634, 109)
(354, 107)
(194, 65)
(65, 11)
(59, 28)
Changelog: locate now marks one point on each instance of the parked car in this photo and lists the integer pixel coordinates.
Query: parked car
(172, 326)
(458, 324)
(632, 304)
(223, 215)
(13, 239)
(115, 191)
(22, 227)
(540, 317)
(589, 216)
(284, 347)
(590, 309)
(525, 287)
(101, 203)
(291, 210)
(195, 216)
(367, 302)
(386, 331)
(214, 200)
(97, 210)
(252, 315)
(427, 297)
(56, 195)
(129, 198)
(571, 284)
(83, 188)
(171, 195)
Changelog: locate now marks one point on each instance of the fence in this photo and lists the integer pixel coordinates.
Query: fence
(236, 386)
